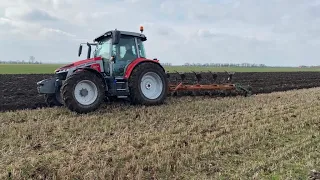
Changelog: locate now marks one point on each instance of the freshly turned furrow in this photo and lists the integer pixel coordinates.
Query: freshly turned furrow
(260, 82)
(19, 91)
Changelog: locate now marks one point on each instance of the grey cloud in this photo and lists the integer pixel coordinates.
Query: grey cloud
(30, 30)
(163, 32)
(37, 14)
(205, 33)
(47, 31)
(55, 4)
(28, 14)
(314, 11)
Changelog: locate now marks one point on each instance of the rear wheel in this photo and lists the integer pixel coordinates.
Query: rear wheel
(148, 84)
(83, 92)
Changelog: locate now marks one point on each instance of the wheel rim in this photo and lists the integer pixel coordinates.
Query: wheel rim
(151, 85)
(86, 92)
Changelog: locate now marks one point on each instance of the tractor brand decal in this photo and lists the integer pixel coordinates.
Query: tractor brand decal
(86, 64)
(87, 61)
(93, 65)
(96, 67)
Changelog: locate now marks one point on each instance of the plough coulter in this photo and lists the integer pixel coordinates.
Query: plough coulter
(120, 69)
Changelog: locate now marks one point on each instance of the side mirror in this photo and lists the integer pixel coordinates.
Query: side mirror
(80, 50)
(115, 37)
(89, 51)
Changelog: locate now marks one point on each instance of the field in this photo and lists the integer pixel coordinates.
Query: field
(19, 91)
(270, 135)
(28, 68)
(49, 68)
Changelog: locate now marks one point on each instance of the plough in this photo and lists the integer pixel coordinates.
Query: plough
(212, 88)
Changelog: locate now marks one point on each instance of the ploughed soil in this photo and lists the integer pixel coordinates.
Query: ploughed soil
(20, 91)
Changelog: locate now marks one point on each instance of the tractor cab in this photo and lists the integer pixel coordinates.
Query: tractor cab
(117, 50)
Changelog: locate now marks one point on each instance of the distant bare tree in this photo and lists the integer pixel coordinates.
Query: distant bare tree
(31, 59)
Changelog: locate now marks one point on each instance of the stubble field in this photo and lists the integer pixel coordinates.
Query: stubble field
(265, 136)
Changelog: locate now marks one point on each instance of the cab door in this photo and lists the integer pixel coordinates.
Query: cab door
(126, 46)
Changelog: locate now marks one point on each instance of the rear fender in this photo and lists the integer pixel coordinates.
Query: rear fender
(137, 62)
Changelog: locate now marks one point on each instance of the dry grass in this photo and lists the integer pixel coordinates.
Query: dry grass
(263, 137)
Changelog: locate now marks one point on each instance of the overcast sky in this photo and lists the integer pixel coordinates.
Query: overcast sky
(273, 32)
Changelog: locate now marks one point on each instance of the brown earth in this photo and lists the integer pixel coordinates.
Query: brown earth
(19, 91)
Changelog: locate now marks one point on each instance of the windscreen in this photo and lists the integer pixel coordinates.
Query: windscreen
(103, 48)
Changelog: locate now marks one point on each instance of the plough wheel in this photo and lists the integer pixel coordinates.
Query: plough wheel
(148, 84)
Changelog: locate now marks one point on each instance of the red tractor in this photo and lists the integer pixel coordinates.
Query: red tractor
(118, 68)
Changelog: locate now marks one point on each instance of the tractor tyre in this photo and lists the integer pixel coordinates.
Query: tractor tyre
(148, 84)
(53, 99)
(83, 92)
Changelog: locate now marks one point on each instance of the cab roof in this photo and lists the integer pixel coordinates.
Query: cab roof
(127, 33)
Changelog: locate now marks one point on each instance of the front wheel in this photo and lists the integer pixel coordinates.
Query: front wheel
(83, 92)
(148, 84)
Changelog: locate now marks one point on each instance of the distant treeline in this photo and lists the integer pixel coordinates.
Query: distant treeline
(30, 61)
(234, 65)
(219, 64)
(19, 62)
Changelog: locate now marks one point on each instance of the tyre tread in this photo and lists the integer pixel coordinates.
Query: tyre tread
(136, 96)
